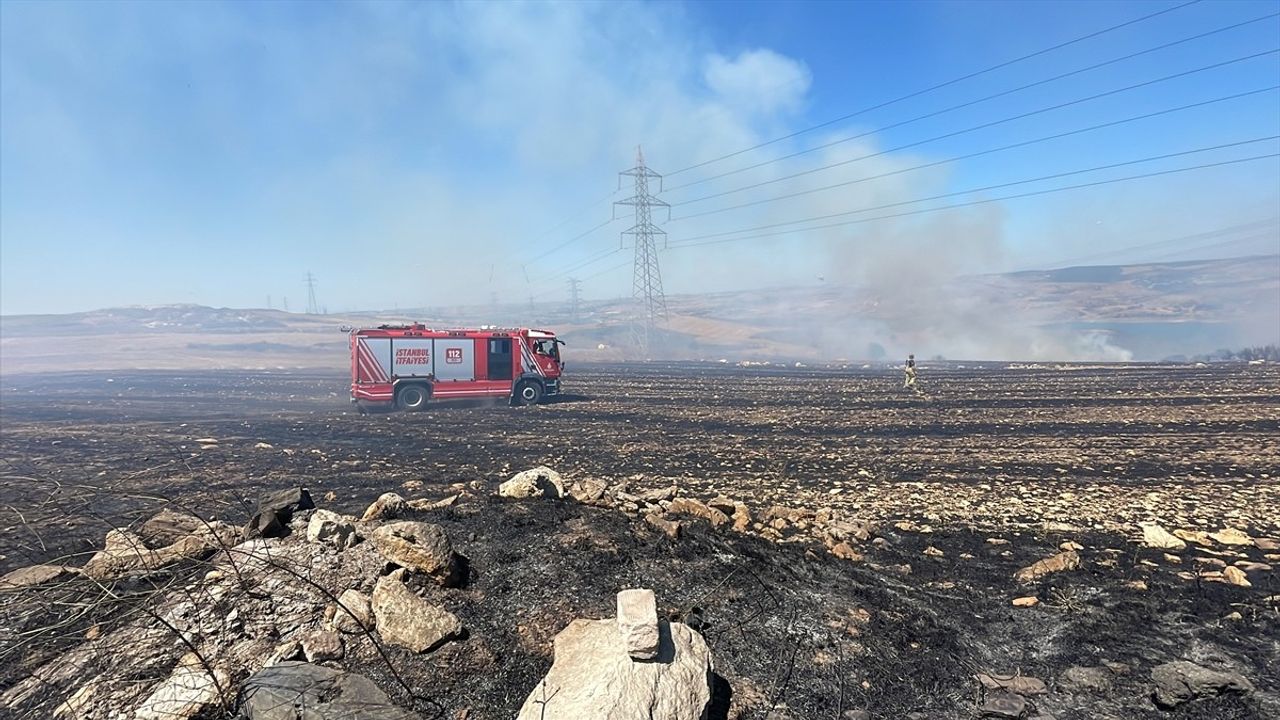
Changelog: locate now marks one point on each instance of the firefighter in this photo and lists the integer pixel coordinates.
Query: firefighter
(909, 381)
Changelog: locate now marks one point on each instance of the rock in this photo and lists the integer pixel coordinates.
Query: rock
(407, 620)
(1085, 679)
(330, 528)
(124, 553)
(1058, 563)
(741, 517)
(422, 547)
(321, 644)
(589, 491)
(167, 527)
(186, 692)
(791, 515)
(1004, 705)
(593, 677)
(1235, 576)
(670, 528)
(689, 506)
(845, 551)
(1028, 601)
(723, 504)
(654, 497)
(388, 506)
(302, 691)
(424, 504)
(1181, 681)
(1266, 544)
(859, 530)
(1155, 536)
(30, 576)
(353, 615)
(275, 510)
(1019, 684)
(538, 482)
(638, 623)
(932, 551)
(1231, 536)
(1198, 537)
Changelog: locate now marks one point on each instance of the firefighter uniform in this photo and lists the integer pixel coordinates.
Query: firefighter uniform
(909, 370)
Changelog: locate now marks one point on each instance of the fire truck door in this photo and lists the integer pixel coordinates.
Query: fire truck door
(499, 358)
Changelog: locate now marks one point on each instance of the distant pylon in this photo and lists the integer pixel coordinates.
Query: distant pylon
(575, 286)
(313, 307)
(646, 287)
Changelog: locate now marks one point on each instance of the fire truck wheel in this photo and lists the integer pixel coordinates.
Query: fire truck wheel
(528, 393)
(412, 397)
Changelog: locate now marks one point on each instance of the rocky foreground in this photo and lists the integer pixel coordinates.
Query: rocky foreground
(555, 598)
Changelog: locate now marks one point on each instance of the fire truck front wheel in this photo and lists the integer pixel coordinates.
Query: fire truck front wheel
(528, 392)
(412, 397)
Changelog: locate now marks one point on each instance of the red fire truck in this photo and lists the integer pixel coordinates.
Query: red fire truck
(411, 364)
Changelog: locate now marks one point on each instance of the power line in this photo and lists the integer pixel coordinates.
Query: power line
(939, 86)
(993, 187)
(972, 155)
(973, 102)
(313, 307)
(978, 202)
(985, 125)
(1211, 234)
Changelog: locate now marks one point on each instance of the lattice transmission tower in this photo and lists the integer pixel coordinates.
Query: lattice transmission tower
(646, 287)
(313, 307)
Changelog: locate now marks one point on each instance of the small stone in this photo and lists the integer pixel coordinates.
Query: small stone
(1235, 576)
(932, 551)
(1086, 679)
(670, 528)
(1028, 601)
(1199, 537)
(330, 528)
(353, 615)
(638, 623)
(845, 551)
(538, 482)
(1057, 563)
(31, 576)
(388, 506)
(1019, 684)
(997, 541)
(1231, 536)
(1004, 705)
(689, 506)
(1069, 545)
(321, 644)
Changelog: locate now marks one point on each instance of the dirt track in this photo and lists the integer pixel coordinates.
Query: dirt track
(1037, 456)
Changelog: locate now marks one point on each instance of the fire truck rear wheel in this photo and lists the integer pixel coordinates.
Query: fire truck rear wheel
(412, 397)
(528, 393)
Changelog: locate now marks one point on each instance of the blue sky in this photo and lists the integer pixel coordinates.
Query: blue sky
(429, 154)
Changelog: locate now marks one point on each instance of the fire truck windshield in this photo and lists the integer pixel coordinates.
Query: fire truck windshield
(548, 348)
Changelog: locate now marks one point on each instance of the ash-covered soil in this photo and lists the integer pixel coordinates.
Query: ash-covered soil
(1030, 457)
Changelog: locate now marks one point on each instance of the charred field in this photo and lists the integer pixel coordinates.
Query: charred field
(1000, 466)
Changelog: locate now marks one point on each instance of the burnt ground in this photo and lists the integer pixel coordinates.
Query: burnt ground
(1036, 456)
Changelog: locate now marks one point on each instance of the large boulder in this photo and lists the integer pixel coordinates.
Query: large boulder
(302, 691)
(538, 482)
(1182, 681)
(594, 677)
(405, 619)
(422, 547)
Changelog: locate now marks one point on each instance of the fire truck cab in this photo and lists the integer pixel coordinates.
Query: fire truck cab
(409, 365)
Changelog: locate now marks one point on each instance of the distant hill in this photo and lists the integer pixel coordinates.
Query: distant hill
(1115, 312)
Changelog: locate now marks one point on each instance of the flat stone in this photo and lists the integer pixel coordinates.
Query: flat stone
(1058, 563)
(1086, 679)
(1004, 705)
(275, 510)
(1154, 536)
(1028, 601)
(1182, 681)
(1019, 684)
(409, 621)
(186, 692)
(589, 491)
(420, 546)
(638, 623)
(1231, 536)
(302, 691)
(31, 576)
(670, 528)
(1235, 576)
